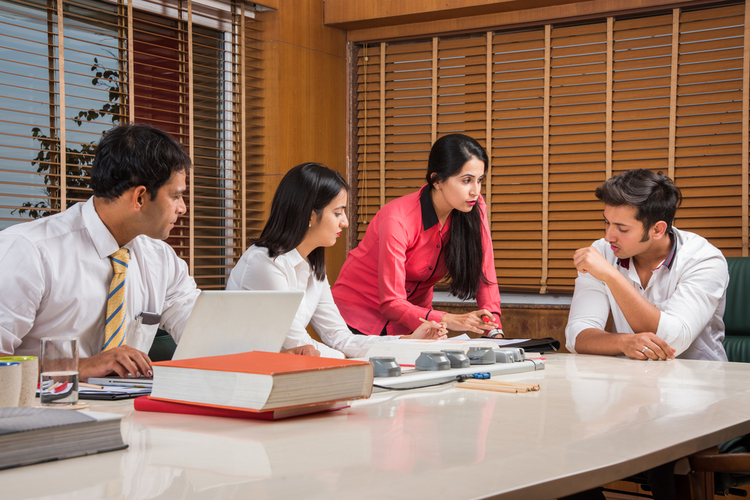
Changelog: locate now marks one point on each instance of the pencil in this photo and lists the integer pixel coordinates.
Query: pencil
(530, 387)
(494, 388)
(90, 386)
(442, 330)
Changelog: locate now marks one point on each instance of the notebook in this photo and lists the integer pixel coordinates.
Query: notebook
(234, 321)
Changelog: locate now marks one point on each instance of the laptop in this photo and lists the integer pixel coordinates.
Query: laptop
(233, 321)
(230, 322)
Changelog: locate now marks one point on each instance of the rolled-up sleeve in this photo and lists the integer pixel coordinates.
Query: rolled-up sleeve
(488, 295)
(332, 329)
(589, 308)
(692, 305)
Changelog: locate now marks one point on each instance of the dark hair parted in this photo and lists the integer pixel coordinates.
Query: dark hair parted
(464, 252)
(654, 196)
(305, 189)
(135, 155)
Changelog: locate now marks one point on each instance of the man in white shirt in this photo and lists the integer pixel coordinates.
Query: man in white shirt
(56, 271)
(665, 287)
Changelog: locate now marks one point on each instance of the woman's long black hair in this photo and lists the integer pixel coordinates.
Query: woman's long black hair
(464, 252)
(305, 189)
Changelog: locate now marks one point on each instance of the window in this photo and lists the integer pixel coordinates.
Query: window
(559, 110)
(65, 79)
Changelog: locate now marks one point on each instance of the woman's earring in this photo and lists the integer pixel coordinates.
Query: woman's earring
(309, 225)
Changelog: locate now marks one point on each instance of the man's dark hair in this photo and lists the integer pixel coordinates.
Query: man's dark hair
(307, 188)
(135, 155)
(654, 196)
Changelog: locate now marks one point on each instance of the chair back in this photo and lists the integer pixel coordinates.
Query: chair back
(737, 312)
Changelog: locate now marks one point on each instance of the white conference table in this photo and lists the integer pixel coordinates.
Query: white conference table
(595, 420)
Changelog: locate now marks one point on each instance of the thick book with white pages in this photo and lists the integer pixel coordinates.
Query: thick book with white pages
(34, 435)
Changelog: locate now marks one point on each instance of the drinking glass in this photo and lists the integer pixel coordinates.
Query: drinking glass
(59, 380)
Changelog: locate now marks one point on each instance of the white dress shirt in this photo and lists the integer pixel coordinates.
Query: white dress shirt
(257, 271)
(55, 274)
(689, 288)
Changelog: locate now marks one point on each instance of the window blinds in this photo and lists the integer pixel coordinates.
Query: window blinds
(73, 69)
(561, 108)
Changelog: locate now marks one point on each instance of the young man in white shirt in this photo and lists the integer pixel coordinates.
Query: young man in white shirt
(665, 287)
(56, 272)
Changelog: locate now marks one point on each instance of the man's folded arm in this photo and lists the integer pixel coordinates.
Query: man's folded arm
(692, 305)
(589, 309)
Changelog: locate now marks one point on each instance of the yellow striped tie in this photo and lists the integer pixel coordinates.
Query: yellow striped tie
(114, 330)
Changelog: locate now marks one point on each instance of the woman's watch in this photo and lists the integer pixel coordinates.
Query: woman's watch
(497, 331)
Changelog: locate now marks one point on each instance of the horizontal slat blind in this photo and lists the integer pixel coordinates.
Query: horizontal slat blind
(66, 81)
(661, 91)
(578, 79)
(408, 116)
(517, 157)
(708, 152)
(369, 85)
(254, 137)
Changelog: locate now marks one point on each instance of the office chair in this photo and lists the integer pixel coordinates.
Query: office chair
(163, 347)
(729, 463)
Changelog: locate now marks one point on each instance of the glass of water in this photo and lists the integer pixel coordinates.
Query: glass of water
(59, 374)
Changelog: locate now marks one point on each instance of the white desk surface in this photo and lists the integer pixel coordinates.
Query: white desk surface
(595, 420)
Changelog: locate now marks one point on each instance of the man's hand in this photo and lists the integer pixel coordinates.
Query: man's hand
(589, 260)
(429, 330)
(646, 346)
(302, 350)
(471, 322)
(124, 360)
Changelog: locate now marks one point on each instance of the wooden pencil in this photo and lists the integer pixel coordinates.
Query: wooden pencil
(90, 386)
(530, 387)
(485, 387)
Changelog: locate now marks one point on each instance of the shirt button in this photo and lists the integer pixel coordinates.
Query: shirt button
(438, 246)
(430, 268)
(408, 290)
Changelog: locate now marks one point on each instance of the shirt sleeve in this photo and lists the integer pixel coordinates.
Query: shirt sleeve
(394, 306)
(263, 274)
(589, 308)
(180, 297)
(331, 327)
(488, 295)
(692, 305)
(22, 272)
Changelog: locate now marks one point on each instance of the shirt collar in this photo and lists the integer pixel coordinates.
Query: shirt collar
(670, 258)
(625, 263)
(429, 216)
(101, 238)
(294, 257)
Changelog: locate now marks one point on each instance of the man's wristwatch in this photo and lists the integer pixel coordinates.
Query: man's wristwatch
(494, 333)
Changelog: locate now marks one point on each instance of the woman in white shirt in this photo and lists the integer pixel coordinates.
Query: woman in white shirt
(290, 255)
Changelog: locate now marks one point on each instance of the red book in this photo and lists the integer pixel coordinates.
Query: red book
(145, 403)
(261, 381)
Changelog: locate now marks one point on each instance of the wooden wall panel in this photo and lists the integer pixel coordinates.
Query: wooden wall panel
(531, 13)
(305, 89)
(358, 14)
